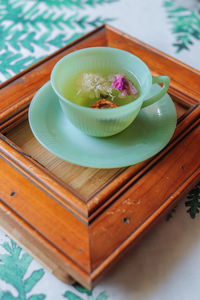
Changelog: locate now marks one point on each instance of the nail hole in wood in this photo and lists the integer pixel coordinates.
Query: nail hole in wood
(183, 168)
(126, 220)
(12, 193)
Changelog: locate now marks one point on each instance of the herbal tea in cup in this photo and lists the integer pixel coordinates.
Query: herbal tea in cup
(101, 90)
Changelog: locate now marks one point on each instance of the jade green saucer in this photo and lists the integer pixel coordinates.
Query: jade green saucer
(147, 135)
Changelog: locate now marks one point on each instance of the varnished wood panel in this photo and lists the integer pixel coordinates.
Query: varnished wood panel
(53, 259)
(86, 182)
(58, 225)
(134, 206)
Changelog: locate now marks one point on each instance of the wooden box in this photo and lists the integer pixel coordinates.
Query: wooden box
(79, 221)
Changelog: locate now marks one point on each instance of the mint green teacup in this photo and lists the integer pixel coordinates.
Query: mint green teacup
(105, 122)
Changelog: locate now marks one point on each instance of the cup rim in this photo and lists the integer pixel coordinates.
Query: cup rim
(90, 109)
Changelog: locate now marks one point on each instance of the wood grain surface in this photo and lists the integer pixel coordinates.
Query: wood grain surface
(86, 182)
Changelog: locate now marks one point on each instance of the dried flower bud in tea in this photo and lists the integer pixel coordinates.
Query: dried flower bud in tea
(103, 103)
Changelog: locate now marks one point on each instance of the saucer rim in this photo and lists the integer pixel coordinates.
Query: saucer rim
(90, 164)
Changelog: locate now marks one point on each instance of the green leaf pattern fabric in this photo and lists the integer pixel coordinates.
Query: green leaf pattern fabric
(13, 268)
(185, 24)
(32, 29)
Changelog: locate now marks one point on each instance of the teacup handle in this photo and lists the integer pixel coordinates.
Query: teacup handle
(161, 93)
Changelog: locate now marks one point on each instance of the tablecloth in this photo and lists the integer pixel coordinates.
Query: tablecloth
(166, 264)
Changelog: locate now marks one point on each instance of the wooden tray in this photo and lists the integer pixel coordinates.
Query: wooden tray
(79, 221)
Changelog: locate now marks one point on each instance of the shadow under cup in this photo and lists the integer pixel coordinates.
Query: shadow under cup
(103, 60)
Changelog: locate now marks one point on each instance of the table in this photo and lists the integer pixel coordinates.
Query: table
(165, 264)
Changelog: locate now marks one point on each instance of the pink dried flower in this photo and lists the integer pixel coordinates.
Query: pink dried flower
(122, 84)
